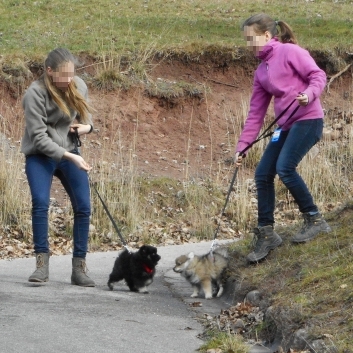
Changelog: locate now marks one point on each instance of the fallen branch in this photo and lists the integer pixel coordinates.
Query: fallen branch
(337, 75)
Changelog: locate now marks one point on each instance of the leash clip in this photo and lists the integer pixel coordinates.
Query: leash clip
(212, 244)
(127, 248)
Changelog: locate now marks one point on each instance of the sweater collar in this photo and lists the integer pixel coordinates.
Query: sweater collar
(267, 51)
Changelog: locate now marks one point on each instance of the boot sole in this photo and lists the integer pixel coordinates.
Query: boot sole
(83, 285)
(37, 280)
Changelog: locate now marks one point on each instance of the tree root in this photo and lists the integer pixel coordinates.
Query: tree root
(337, 75)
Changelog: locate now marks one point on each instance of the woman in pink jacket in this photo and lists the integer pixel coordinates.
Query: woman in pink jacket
(287, 72)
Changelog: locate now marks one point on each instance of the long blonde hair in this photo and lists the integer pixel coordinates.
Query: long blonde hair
(262, 23)
(71, 98)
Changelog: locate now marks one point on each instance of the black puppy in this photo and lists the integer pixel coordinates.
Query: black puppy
(137, 268)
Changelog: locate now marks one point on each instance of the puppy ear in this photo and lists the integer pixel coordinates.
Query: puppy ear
(143, 248)
(191, 255)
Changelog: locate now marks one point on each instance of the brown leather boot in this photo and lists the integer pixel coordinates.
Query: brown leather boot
(41, 274)
(265, 239)
(79, 276)
(313, 225)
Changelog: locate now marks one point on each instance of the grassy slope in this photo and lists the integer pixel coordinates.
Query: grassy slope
(316, 278)
(309, 285)
(32, 28)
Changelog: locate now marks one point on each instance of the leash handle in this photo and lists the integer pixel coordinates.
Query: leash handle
(76, 138)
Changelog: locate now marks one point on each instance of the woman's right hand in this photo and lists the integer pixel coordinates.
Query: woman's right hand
(238, 159)
(78, 161)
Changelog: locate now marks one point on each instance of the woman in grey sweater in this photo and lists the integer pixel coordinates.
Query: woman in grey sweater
(55, 106)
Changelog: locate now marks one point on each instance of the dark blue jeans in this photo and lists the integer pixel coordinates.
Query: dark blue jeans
(40, 170)
(282, 157)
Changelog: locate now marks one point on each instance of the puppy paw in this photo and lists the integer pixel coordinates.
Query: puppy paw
(143, 290)
(220, 292)
(110, 285)
(194, 295)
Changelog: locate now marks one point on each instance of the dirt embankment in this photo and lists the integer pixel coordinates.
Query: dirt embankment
(179, 137)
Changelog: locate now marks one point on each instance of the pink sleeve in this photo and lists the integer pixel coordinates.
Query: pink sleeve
(306, 67)
(260, 99)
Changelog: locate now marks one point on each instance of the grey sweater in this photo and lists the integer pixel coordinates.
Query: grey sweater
(47, 127)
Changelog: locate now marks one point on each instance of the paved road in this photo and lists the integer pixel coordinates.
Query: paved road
(60, 317)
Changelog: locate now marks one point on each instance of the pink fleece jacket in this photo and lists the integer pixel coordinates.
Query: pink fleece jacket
(285, 70)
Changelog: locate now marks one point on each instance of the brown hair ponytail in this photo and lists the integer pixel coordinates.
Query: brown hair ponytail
(286, 34)
(262, 23)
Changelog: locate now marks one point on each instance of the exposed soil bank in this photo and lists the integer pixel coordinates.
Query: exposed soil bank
(179, 137)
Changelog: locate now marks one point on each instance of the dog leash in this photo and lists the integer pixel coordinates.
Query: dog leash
(76, 138)
(77, 143)
(265, 133)
(110, 216)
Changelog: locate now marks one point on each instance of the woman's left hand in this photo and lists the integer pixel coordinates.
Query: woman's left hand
(77, 160)
(81, 128)
(302, 99)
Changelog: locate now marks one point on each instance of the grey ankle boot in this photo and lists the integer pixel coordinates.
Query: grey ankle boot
(265, 239)
(313, 225)
(79, 270)
(41, 274)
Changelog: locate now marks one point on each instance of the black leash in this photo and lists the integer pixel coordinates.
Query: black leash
(110, 216)
(77, 143)
(76, 138)
(266, 133)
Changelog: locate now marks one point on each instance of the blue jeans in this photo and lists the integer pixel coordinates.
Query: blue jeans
(40, 170)
(282, 157)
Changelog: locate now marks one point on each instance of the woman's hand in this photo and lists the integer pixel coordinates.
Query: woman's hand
(81, 128)
(77, 160)
(302, 99)
(238, 159)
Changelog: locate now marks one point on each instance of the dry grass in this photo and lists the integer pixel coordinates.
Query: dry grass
(15, 200)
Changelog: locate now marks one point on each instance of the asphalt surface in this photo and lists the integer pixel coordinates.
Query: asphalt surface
(59, 317)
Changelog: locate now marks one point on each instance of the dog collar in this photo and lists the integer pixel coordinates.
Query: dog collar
(147, 269)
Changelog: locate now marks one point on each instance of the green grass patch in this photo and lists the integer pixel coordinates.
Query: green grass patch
(169, 90)
(110, 80)
(32, 28)
(226, 342)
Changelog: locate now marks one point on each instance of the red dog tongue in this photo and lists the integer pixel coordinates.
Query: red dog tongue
(147, 269)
